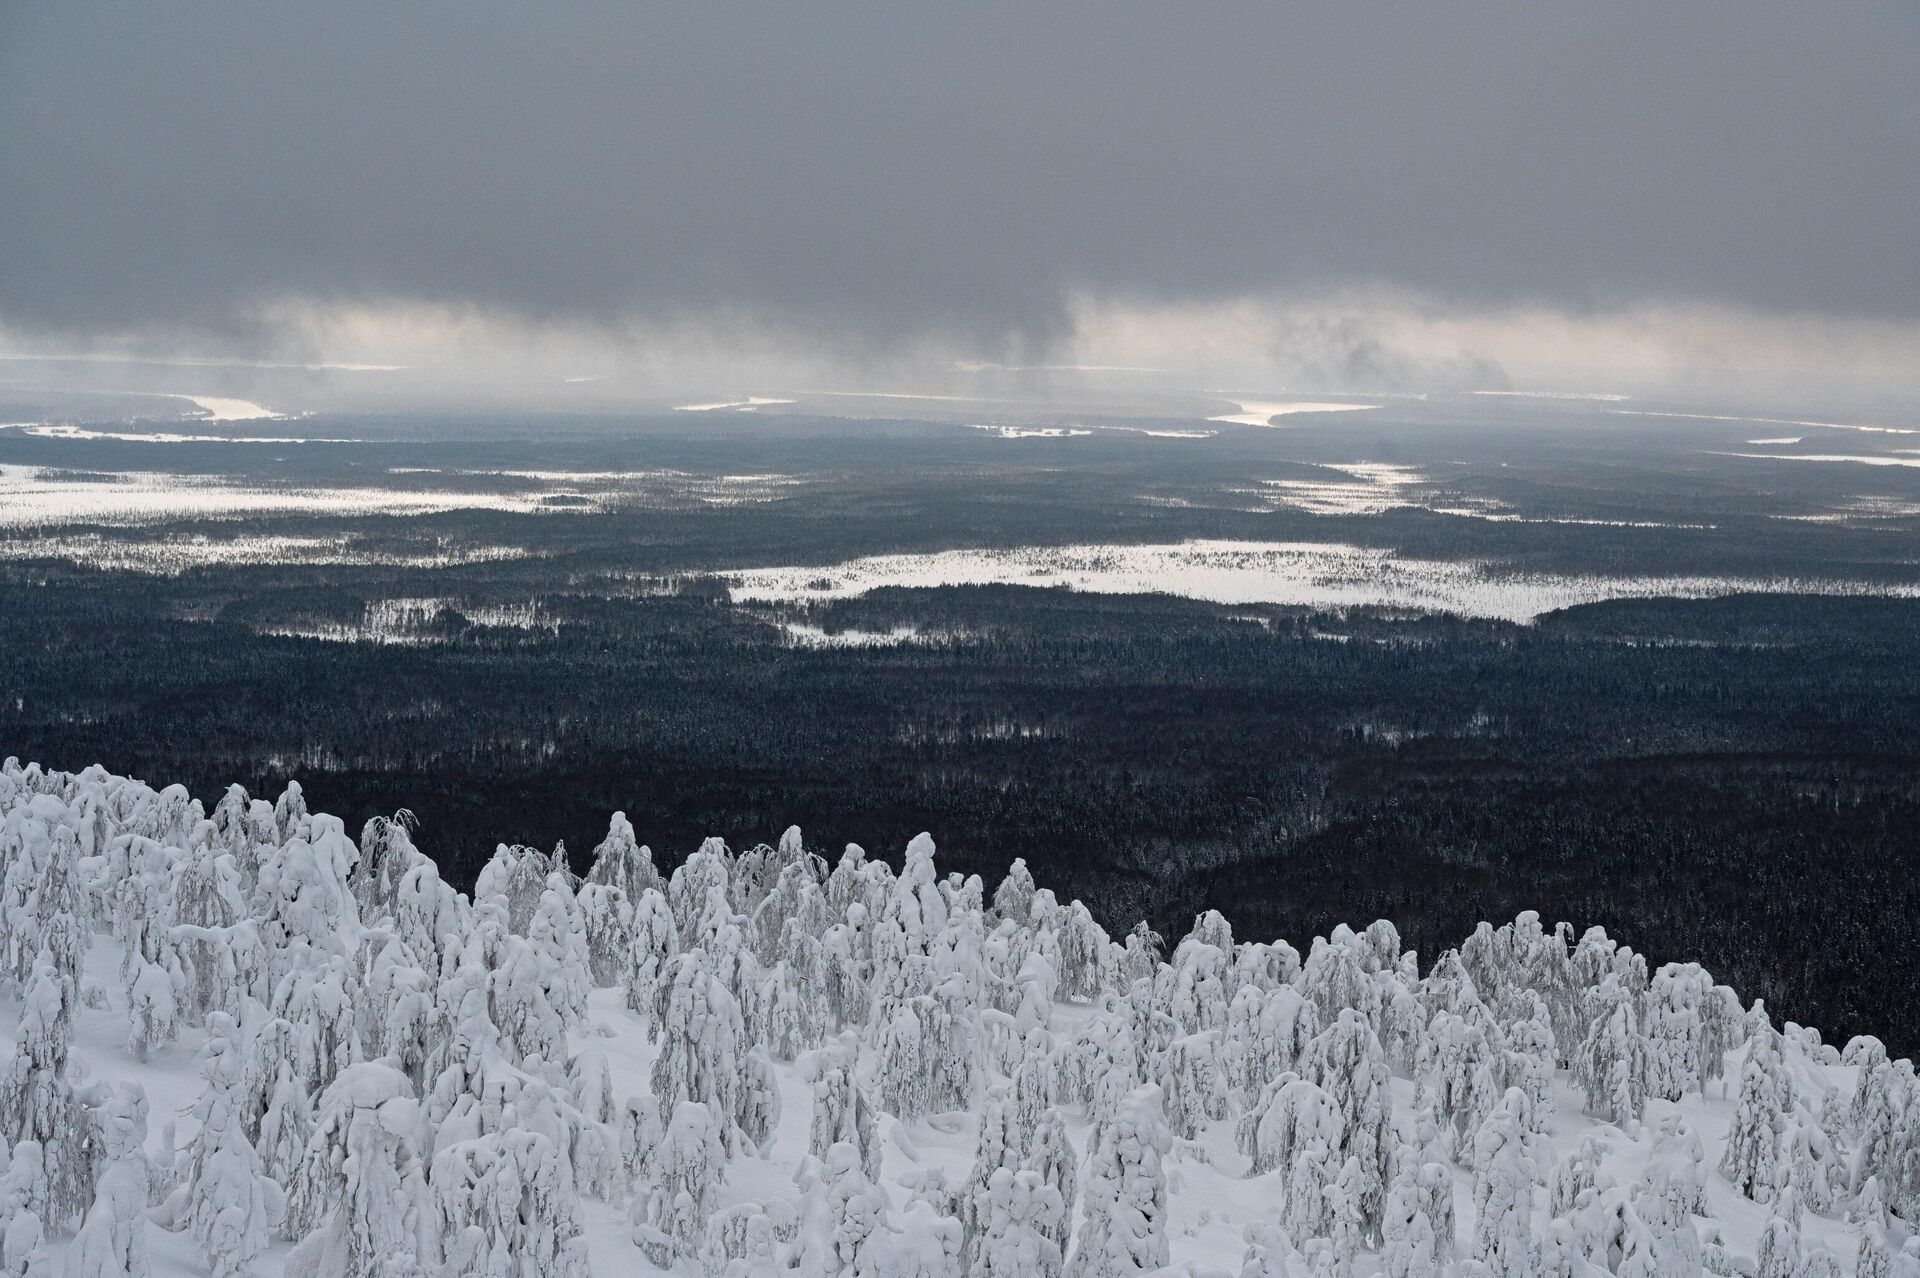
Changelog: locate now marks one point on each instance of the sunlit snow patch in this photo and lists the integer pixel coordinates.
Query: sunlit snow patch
(40, 497)
(215, 408)
(1770, 421)
(1599, 397)
(1373, 488)
(176, 553)
(746, 405)
(56, 431)
(412, 621)
(1860, 459)
(1261, 412)
(1032, 432)
(1166, 433)
(802, 635)
(1861, 510)
(32, 496)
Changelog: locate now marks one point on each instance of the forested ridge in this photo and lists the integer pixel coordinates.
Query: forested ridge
(243, 1038)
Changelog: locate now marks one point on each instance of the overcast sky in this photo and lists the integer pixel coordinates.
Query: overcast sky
(993, 181)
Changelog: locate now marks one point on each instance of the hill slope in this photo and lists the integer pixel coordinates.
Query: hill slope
(244, 1039)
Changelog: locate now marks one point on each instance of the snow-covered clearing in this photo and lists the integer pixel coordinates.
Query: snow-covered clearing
(40, 497)
(45, 430)
(1033, 432)
(746, 405)
(1261, 412)
(245, 1041)
(171, 554)
(1770, 421)
(1858, 459)
(43, 496)
(1306, 574)
(217, 408)
(1598, 397)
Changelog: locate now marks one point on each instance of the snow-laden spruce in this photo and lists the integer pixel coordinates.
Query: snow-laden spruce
(246, 1042)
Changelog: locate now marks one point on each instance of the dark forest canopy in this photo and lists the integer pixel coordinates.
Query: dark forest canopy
(1732, 781)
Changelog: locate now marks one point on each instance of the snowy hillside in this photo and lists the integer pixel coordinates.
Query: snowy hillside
(244, 1041)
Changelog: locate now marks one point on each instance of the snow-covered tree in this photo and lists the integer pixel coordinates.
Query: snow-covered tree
(622, 861)
(1083, 947)
(1014, 897)
(1530, 1055)
(1269, 1254)
(846, 1210)
(678, 1183)
(694, 882)
(1676, 1030)
(1463, 1068)
(1778, 1255)
(1021, 1219)
(926, 1055)
(745, 1241)
(112, 1242)
(1344, 1195)
(290, 812)
(1345, 1060)
(387, 855)
(1335, 979)
(757, 1111)
(1050, 1153)
(38, 1104)
(52, 922)
(1268, 1031)
(1417, 1223)
(230, 1204)
(703, 1045)
(1503, 1183)
(504, 1207)
(303, 901)
(275, 1100)
(654, 942)
(1752, 1157)
(539, 990)
(998, 1145)
(1872, 1258)
(1195, 1086)
(1869, 1205)
(842, 1113)
(917, 1243)
(151, 1009)
(358, 1201)
(1143, 950)
(1612, 1061)
(1036, 1078)
(797, 1015)
(1123, 1228)
(23, 1252)
(607, 921)
(796, 906)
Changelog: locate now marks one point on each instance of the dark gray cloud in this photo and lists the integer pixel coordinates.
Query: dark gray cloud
(880, 169)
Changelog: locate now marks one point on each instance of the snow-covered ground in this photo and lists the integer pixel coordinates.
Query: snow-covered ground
(746, 405)
(246, 1041)
(41, 497)
(1305, 574)
(1261, 412)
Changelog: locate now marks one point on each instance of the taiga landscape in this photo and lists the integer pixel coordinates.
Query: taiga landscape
(873, 644)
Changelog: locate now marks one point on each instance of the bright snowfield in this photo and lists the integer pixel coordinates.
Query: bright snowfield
(245, 1042)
